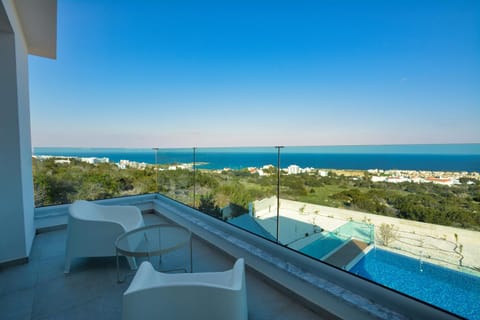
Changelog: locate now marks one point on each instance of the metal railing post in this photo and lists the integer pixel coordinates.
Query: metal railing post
(156, 170)
(194, 177)
(278, 189)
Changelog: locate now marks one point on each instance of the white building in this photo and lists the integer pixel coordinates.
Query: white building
(62, 161)
(397, 179)
(123, 164)
(93, 160)
(294, 169)
(443, 181)
(378, 179)
(418, 180)
(307, 170)
(185, 166)
(322, 173)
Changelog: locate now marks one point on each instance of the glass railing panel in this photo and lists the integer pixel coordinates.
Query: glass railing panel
(306, 224)
(412, 230)
(230, 180)
(176, 174)
(346, 206)
(63, 175)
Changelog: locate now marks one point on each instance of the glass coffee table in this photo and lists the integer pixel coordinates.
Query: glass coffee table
(155, 240)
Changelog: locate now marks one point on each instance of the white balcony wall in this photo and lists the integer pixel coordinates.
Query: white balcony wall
(16, 187)
(26, 27)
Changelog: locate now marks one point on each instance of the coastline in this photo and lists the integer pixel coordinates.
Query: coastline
(236, 159)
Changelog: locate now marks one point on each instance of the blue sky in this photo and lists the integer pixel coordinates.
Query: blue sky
(259, 73)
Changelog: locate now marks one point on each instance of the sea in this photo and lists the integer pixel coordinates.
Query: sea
(430, 157)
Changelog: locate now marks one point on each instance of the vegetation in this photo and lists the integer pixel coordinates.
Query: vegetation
(208, 205)
(63, 183)
(387, 233)
(458, 205)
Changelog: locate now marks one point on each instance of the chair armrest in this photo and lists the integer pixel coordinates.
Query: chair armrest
(129, 217)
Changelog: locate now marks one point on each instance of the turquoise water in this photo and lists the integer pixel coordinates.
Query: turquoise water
(454, 157)
(451, 290)
(336, 238)
(319, 248)
(357, 230)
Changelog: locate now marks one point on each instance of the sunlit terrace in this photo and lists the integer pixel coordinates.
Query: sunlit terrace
(40, 290)
(281, 283)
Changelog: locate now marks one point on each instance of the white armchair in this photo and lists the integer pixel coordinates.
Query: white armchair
(92, 229)
(211, 295)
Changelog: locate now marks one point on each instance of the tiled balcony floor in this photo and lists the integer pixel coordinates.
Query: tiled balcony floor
(40, 290)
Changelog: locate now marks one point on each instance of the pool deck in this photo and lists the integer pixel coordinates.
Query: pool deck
(347, 253)
(450, 247)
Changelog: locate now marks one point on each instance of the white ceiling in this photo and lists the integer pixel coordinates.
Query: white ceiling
(4, 24)
(38, 19)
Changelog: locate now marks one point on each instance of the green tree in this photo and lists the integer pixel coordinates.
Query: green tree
(207, 205)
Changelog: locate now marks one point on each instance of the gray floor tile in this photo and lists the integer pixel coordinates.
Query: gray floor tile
(17, 277)
(16, 304)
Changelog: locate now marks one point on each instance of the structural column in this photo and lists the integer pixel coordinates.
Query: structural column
(16, 186)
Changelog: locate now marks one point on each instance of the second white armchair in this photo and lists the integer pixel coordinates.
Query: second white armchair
(182, 296)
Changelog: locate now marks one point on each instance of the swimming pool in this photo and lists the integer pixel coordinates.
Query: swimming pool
(318, 249)
(338, 237)
(451, 290)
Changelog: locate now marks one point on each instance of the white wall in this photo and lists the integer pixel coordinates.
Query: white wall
(16, 187)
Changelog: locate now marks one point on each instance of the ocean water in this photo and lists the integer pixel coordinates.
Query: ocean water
(452, 157)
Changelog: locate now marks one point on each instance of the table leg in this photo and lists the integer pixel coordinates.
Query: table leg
(118, 269)
(191, 258)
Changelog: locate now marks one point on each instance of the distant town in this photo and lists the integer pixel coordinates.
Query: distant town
(447, 178)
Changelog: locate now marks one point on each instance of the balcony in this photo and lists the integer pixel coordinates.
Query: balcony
(312, 212)
(40, 290)
(281, 283)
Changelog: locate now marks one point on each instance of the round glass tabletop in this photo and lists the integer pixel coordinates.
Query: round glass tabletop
(152, 240)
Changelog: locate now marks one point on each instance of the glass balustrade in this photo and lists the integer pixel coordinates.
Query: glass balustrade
(176, 175)
(350, 210)
(229, 182)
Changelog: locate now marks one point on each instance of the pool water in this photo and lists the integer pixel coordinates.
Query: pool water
(357, 230)
(338, 237)
(323, 246)
(451, 290)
